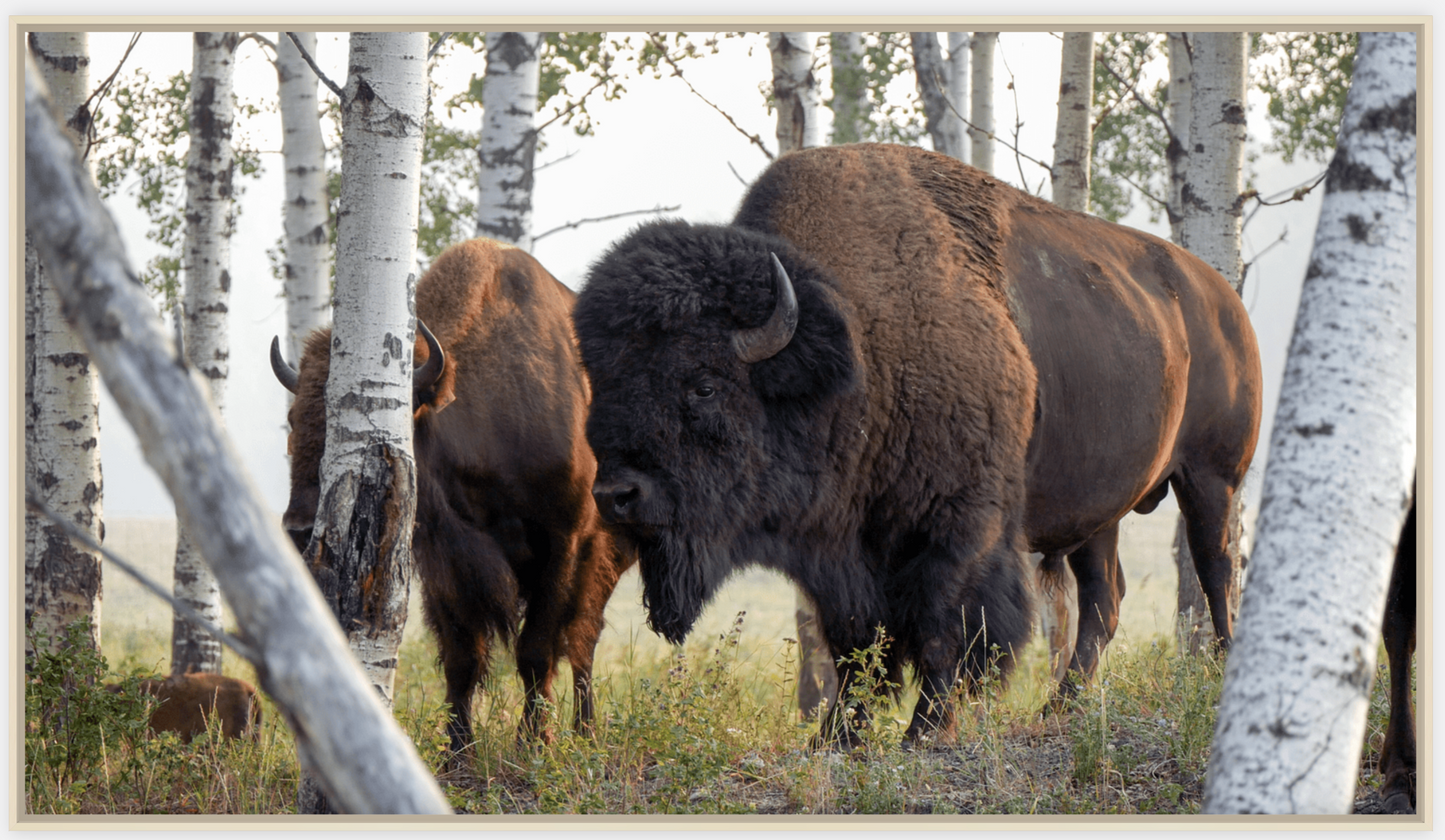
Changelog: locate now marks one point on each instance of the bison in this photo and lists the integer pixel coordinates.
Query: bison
(185, 701)
(506, 526)
(1397, 755)
(889, 377)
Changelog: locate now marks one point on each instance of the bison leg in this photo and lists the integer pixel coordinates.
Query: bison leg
(598, 575)
(1101, 589)
(1204, 502)
(1397, 756)
(463, 652)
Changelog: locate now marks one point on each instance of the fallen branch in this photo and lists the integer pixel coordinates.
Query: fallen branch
(608, 218)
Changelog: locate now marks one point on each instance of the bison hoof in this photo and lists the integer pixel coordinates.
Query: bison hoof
(1397, 803)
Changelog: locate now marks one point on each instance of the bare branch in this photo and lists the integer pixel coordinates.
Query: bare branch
(991, 136)
(1245, 273)
(262, 41)
(740, 178)
(441, 39)
(311, 62)
(1018, 124)
(33, 502)
(539, 167)
(1132, 90)
(572, 105)
(580, 222)
(1295, 193)
(98, 96)
(677, 71)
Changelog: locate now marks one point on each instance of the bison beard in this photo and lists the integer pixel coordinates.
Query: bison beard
(874, 453)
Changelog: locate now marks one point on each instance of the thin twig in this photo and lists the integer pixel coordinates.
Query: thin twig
(99, 95)
(1295, 193)
(998, 139)
(572, 105)
(1143, 191)
(677, 71)
(311, 62)
(1018, 124)
(261, 40)
(580, 222)
(33, 502)
(540, 167)
(441, 39)
(1137, 98)
(1244, 274)
(740, 178)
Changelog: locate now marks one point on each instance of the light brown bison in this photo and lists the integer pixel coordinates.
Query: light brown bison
(186, 701)
(506, 527)
(934, 373)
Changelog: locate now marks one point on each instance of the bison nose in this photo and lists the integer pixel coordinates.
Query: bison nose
(617, 501)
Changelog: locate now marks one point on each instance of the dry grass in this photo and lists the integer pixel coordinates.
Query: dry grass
(712, 727)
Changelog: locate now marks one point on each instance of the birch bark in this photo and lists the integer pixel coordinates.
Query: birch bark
(981, 101)
(1181, 86)
(959, 46)
(360, 551)
(210, 220)
(1211, 197)
(933, 88)
(795, 90)
(62, 580)
(1073, 137)
(307, 270)
(1337, 486)
(367, 765)
(509, 137)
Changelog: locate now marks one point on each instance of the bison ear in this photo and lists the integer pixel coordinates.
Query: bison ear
(818, 362)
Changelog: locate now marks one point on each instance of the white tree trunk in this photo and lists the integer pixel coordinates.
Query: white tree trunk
(1181, 85)
(795, 90)
(796, 93)
(307, 282)
(62, 459)
(959, 47)
(850, 99)
(1212, 202)
(933, 87)
(1073, 137)
(981, 101)
(360, 551)
(366, 763)
(210, 219)
(509, 137)
(1337, 487)
(1212, 192)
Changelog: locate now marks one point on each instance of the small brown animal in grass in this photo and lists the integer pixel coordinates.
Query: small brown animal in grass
(186, 701)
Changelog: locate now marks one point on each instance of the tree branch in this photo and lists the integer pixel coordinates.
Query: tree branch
(1245, 272)
(1134, 92)
(441, 39)
(99, 95)
(740, 178)
(993, 137)
(33, 502)
(1018, 124)
(580, 222)
(311, 62)
(677, 71)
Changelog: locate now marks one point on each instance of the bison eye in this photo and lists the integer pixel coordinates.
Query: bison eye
(703, 392)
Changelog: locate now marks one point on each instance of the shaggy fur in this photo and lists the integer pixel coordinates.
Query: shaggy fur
(878, 459)
(1397, 756)
(1147, 368)
(505, 516)
(187, 700)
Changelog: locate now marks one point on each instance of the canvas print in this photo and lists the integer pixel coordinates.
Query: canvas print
(791, 424)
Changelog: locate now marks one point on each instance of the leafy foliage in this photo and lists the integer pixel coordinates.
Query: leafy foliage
(886, 56)
(141, 146)
(1129, 141)
(1305, 76)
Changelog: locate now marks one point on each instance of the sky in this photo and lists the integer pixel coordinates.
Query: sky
(658, 145)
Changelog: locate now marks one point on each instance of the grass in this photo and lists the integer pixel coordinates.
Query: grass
(709, 727)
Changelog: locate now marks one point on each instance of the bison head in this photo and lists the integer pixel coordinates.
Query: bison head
(431, 390)
(720, 359)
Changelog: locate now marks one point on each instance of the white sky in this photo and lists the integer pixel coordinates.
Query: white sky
(658, 145)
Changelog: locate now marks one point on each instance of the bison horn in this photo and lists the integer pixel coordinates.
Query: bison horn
(767, 341)
(427, 375)
(283, 370)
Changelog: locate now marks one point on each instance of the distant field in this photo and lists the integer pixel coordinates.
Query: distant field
(133, 619)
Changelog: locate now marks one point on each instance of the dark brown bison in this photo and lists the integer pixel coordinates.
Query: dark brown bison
(1397, 755)
(185, 701)
(506, 527)
(857, 420)
(967, 372)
